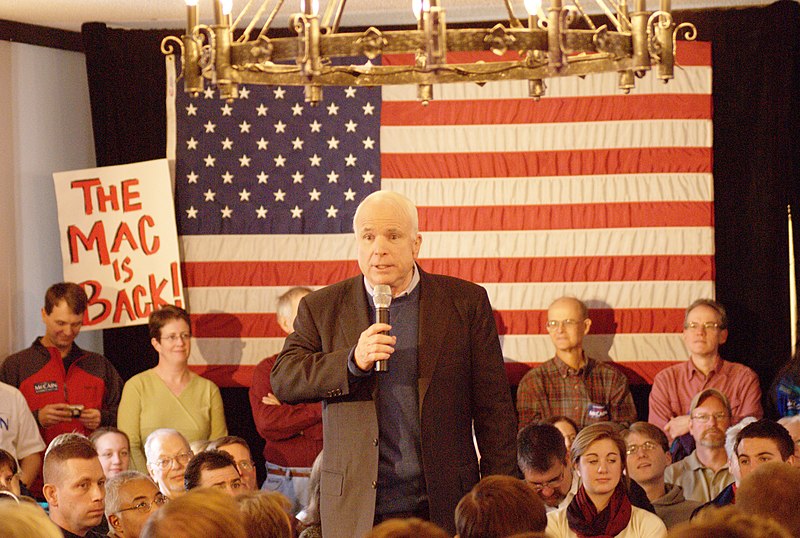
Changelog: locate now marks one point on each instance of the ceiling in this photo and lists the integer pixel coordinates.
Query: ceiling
(148, 14)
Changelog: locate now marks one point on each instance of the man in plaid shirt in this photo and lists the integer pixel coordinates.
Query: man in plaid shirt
(572, 384)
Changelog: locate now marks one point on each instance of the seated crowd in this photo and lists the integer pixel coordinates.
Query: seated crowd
(698, 467)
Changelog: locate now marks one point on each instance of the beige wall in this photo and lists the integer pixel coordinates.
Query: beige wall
(45, 127)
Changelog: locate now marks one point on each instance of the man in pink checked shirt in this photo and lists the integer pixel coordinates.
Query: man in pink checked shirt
(293, 433)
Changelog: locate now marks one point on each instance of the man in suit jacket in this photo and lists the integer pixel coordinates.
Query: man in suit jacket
(399, 443)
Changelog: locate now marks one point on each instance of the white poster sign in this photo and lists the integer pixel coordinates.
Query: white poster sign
(119, 240)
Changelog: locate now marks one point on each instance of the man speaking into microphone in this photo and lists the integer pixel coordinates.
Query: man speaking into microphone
(398, 443)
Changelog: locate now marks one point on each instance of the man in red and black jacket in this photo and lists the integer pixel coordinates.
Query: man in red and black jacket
(68, 389)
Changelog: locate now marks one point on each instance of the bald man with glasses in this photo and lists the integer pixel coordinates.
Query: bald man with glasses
(571, 384)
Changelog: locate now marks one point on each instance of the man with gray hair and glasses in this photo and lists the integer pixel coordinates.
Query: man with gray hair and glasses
(131, 497)
(705, 329)
(168, 453)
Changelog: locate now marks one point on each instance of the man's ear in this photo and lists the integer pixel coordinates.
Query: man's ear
(50, 494)
(116, 524)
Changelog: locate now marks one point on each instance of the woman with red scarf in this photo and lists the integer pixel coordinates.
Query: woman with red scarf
(601, 508)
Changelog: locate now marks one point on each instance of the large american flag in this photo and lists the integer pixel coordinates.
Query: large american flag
(588, 192)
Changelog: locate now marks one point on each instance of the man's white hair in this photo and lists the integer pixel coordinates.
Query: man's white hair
(149, 451)
(732, 432)
(395, 198)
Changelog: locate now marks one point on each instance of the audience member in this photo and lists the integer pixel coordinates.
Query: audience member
(726, 496)
(786, 388)
(762, 442)
(499, 506)
(9, 473)
(20, 435)
(67, 388)
(74, 486)
(704, 473)
(113, 449)
(544, 462)
(647, 458)
(705, 329)
(771, 491)
(728, 522)
(167, 454)
(566, 426)
(293, 433)
(238, 448)
(25, 520)
(572, 384)
(792, 425)
(309, 516)
(131, 498)
(411, 527)
(170, 394)
(406, 449)
(207, 513)
(213, 469)
(266, 514)
(601, 505)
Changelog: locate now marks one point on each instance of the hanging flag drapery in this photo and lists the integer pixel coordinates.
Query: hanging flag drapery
(587, 192)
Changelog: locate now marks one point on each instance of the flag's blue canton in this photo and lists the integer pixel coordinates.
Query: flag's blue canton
(269, 163)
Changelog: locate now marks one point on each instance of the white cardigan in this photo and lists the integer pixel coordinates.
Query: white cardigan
(643, 524)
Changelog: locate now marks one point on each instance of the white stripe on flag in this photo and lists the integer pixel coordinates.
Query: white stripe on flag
(574, 136)
(630, 188)
(469, 244)
(513, 296)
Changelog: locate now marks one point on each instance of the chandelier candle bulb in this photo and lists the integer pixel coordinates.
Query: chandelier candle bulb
(191, 16)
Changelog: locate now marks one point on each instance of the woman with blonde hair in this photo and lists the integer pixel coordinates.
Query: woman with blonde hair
(601, 508)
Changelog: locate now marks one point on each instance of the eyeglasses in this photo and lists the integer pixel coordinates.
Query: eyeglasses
(173, 338)
(647, 446)
(144, 506)
(245, 465)
(708, 326)
(552, 484)
(704, 418)
(165, 463)
(553, 324)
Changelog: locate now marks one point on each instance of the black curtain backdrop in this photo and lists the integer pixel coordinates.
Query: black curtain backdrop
(756, 164)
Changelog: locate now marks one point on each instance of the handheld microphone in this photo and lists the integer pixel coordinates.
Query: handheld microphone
(382, 298)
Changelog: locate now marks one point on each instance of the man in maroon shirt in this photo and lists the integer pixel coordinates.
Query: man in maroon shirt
(293, 433)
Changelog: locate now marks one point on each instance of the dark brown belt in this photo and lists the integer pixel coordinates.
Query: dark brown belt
(289, 472)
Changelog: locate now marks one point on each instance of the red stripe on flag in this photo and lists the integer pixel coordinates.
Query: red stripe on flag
(604, 321)
(567, 216)
(241, 376)
(546, 163)
(486, 270)
(555, 110)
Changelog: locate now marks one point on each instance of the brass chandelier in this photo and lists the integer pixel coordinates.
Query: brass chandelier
(631, 43)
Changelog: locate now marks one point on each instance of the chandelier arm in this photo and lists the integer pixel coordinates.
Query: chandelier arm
(610, 14)
(584, 16)
(621, 8)
(168, 47)
(271, 17)
(513, 21)
(242, 13)
(338, 18)
(256, 16)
